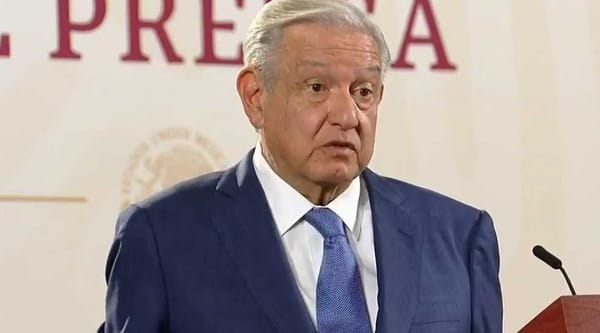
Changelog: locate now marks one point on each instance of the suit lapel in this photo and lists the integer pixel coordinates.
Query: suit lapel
(247, 228)
(397, 249)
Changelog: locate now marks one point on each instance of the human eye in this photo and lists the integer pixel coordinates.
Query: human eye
(316, 91)
(365, 92)
(316, 88)
(364, 95)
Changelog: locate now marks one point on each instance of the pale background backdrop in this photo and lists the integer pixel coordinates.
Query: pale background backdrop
(514, 130)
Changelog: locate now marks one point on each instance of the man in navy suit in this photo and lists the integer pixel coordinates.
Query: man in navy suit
(300, 236)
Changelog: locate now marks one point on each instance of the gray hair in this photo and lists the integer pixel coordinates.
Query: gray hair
(265, 30)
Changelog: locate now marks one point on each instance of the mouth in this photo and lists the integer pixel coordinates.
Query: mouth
(340, 145)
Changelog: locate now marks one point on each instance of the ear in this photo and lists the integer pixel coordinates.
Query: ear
(251, 90)
(381, 92)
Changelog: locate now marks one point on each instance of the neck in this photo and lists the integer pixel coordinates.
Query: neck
(317, 193)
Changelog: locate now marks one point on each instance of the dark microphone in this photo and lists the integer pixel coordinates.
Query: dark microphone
(552, 261)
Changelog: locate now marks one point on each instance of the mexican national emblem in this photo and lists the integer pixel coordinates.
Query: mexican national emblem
(168, 157)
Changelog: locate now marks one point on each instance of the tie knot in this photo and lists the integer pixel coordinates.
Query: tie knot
(327, 222)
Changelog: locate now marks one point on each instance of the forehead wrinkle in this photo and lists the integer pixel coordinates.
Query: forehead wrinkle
(374, 69)
(311, 63)
(328, 50)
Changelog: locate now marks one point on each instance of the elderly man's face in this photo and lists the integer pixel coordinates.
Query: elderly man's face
(318, 119)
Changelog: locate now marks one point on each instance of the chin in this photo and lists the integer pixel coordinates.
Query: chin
(336, 176)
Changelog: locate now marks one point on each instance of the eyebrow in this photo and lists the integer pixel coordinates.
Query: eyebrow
(374, 68)
(314, 63)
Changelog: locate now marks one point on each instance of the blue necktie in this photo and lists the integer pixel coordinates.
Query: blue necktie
(341, 306)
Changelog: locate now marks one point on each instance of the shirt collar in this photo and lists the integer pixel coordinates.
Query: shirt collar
(288, 206)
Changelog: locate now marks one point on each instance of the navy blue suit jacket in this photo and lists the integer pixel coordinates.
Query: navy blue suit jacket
(206, 256)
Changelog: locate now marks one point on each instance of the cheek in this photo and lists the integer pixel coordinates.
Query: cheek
(305, 123)
(298, 130)
(368, 123)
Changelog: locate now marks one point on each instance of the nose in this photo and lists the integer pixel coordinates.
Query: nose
(343, 110)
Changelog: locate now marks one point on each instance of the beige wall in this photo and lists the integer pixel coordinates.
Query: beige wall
(515, 130)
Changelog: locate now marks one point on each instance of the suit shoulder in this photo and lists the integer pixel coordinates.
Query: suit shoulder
(191, 191)
(431, 201)
(445, 219)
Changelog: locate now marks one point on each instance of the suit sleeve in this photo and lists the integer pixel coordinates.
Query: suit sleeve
(136, 298)
(486, 296)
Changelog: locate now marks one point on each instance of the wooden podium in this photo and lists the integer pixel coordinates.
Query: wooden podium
(568, 314)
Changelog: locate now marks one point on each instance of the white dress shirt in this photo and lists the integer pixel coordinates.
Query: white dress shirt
(304, 244)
